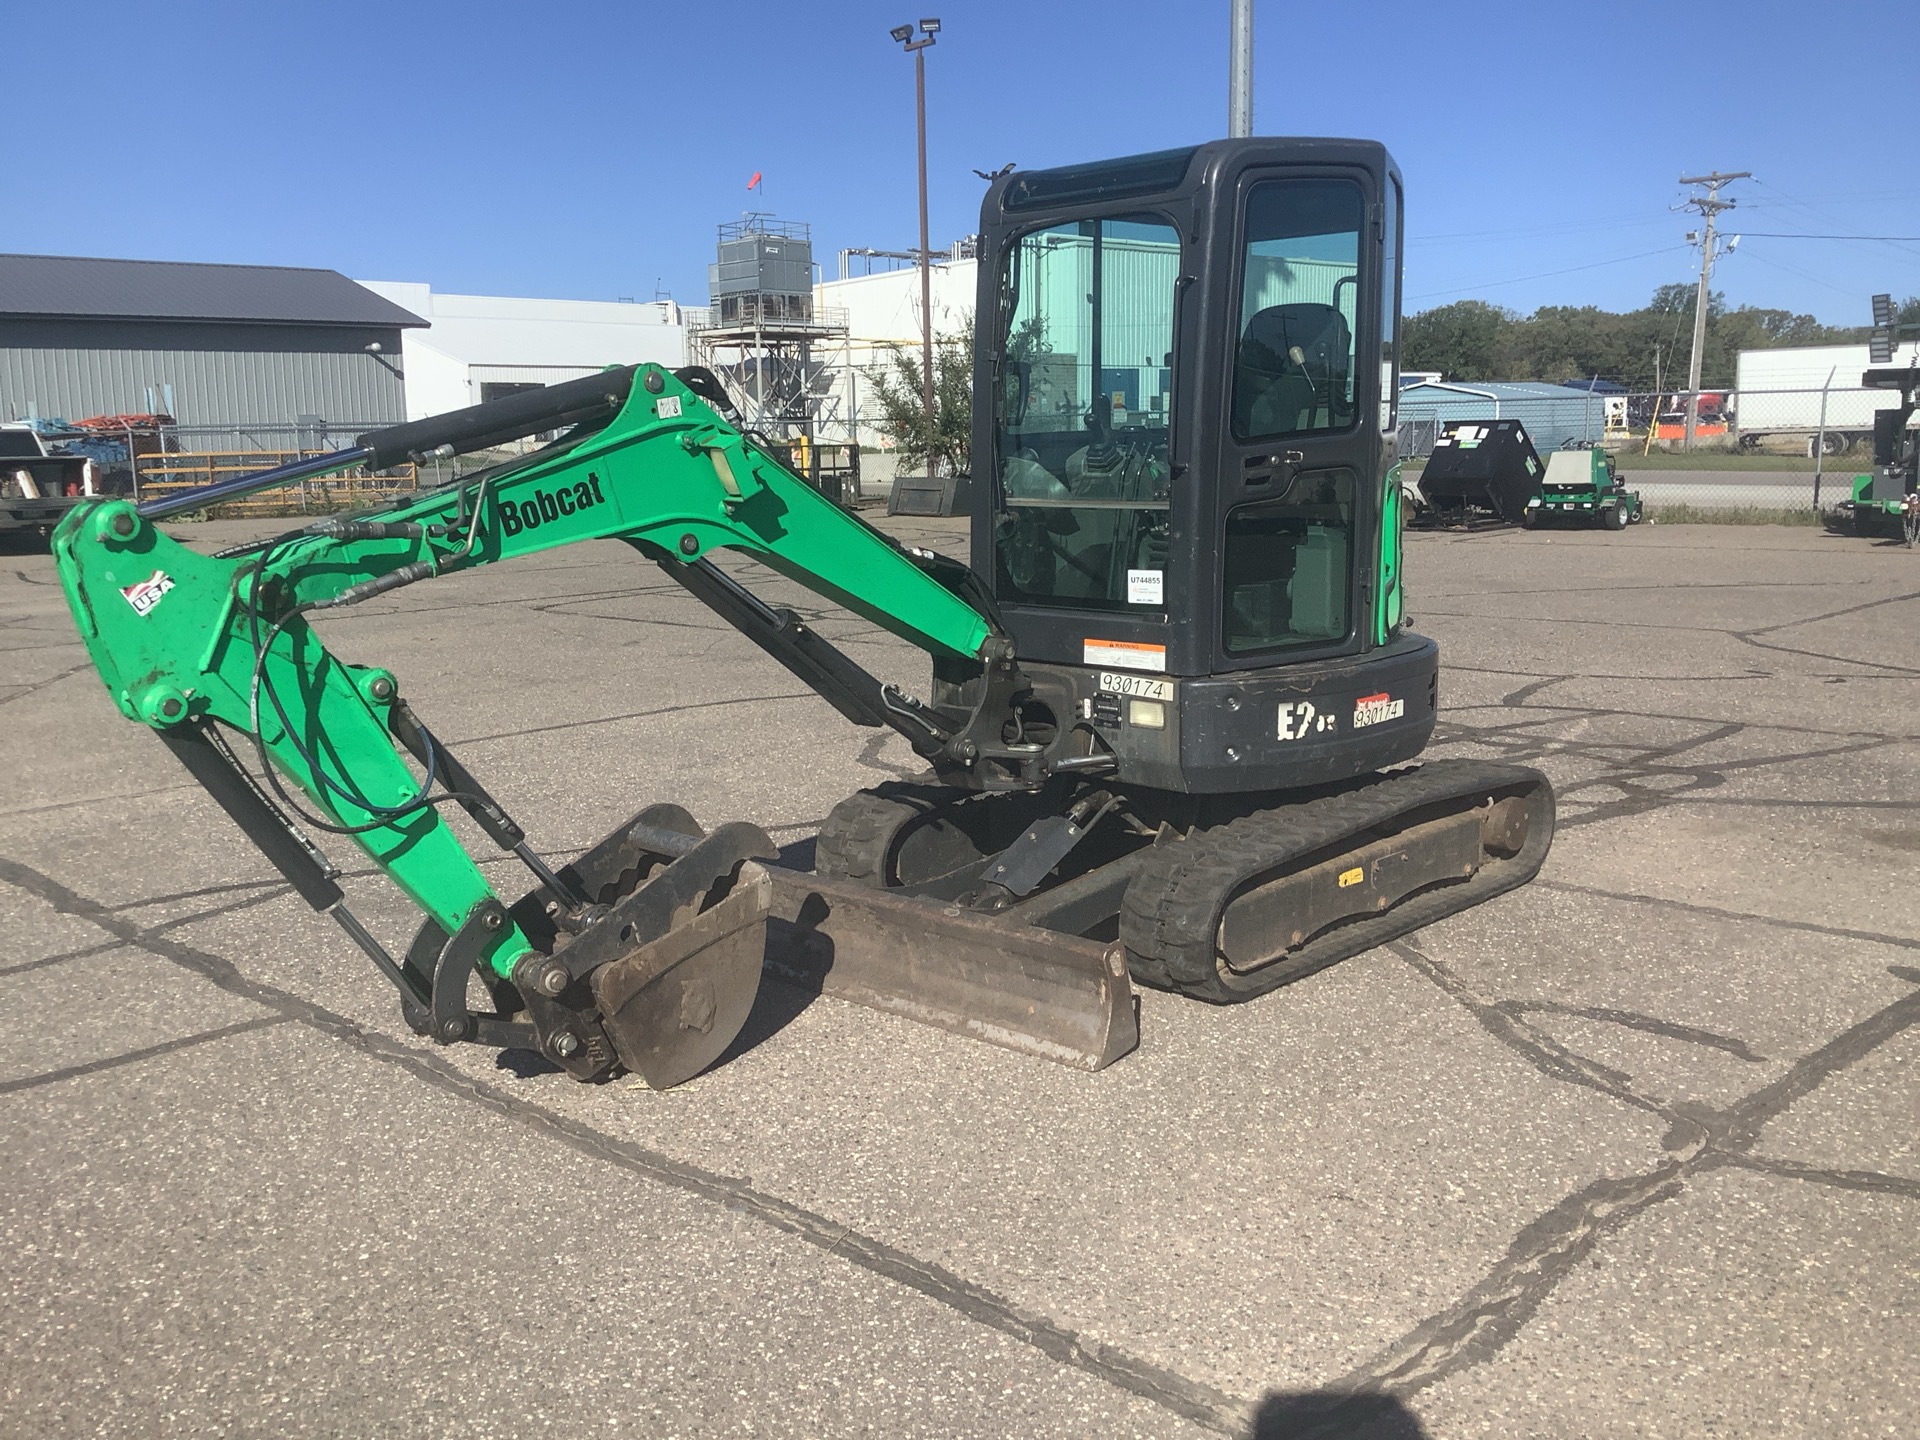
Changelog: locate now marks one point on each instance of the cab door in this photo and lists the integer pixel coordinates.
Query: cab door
(1300, 445)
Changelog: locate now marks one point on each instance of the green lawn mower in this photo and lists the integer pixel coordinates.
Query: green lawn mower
(1582, 485)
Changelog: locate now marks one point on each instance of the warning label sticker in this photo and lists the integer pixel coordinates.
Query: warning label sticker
(1123, 654)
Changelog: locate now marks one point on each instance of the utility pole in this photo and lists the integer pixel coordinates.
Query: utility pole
(918, 48)
(1240, 71)
(1709, 205)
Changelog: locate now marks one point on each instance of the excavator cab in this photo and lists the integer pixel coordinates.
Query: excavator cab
(1187, 521)
(1184, 419)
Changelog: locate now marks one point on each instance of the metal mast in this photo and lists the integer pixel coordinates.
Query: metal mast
(1240, 71)
(918, 47)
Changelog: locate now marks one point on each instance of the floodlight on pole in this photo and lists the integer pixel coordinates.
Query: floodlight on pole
(929, 27)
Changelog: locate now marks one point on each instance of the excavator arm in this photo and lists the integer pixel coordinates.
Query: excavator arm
(219, 653)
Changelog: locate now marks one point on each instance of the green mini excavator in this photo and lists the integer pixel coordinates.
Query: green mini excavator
(1172, 706)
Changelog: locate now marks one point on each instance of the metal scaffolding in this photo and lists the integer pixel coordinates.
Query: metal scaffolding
(779, 355)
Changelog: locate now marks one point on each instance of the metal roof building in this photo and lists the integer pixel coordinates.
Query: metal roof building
(213, 345)
(1553, 414)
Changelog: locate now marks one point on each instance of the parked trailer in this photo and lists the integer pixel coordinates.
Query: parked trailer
(1779, 395)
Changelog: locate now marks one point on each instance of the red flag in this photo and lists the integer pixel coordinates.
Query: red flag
(754, 181)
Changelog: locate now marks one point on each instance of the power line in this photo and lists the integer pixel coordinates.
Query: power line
(1544, 274)
(1785, 268)
(1821, 215)
(1576, 227)
(1770, 235)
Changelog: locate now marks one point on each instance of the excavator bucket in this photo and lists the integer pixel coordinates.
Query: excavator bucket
(672, 955)
(673, 1006)
(706, 917)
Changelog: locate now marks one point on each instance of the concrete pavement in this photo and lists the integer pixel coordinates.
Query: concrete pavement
(1628, 1152)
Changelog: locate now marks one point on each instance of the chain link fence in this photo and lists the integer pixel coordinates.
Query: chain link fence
(1756, 454)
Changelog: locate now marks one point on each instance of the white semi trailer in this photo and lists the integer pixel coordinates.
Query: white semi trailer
(1779, 394)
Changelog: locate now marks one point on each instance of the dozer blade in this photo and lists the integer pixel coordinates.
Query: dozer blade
(673, 1005)
(987, 977)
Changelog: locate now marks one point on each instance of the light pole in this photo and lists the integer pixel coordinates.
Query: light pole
(917, 48)
(1240, 70)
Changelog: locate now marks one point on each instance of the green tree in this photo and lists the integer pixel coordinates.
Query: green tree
(1472, 340)
(1461, 340)
(940, 440)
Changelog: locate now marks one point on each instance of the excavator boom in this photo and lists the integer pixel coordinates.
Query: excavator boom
(218, 654)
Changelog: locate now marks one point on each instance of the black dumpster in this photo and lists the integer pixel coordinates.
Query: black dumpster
(1481, 466)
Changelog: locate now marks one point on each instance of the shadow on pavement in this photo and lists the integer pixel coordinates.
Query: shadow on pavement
(1327, 1415)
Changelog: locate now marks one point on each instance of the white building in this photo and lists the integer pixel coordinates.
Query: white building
(481, 347)
(883, 310)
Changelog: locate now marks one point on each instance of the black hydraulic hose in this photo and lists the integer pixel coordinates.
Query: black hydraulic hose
(460, 432)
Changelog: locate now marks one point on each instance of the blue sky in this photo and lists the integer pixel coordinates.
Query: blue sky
(587, 150)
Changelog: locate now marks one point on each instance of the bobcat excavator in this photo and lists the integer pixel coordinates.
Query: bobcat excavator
(1172, 700)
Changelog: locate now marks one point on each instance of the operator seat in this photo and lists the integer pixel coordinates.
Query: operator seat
(1273, 394)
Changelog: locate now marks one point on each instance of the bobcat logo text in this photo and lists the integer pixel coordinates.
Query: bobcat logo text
(546, 506)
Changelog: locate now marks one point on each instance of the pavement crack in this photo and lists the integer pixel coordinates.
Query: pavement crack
(1490, 1315)
(1645, 778)
(1633, 1020)
(23, 691)
(1714, 912)
(1738, 1127)
(1875, 1181)
(85, 952)
(1477, 1326)
(630, 715)
(1538, 1049)
(1192, 1400)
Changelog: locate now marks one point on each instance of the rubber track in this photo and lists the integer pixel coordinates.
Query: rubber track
(859, 835)
(1173, 908)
